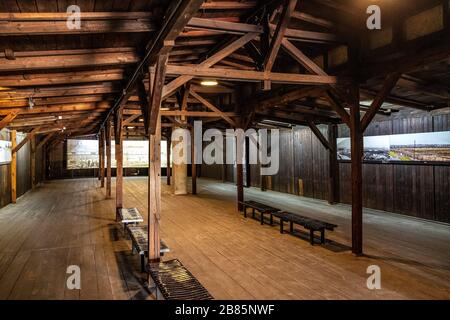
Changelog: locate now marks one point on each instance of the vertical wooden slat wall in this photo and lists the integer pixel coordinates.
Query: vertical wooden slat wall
(416, 190)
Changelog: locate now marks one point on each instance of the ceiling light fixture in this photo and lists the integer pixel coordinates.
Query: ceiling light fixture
(30, 102)
(209, 83)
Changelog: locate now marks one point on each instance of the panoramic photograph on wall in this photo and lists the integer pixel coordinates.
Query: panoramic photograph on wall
(427, 147)
(83, 154)
(5, 151)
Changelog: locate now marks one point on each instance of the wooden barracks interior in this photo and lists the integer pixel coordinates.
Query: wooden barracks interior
(91, 92)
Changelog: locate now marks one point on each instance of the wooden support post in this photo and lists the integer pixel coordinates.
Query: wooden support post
(119, 160)
(154, 193)
(102, 158)
(99, 139)
(13, 167)
(248, 180)
(239, 173)
(333, 187)
(44, 163)
(169, 142)
(108, 158)
(193, 164)
(33, 162)
(357, 155)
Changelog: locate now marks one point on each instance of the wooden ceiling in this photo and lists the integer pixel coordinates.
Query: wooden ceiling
(55, 79)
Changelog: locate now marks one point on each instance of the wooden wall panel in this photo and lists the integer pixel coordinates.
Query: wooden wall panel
(345, 179)
(442, 193)
(379, 128)
(23, 170)
(5, 185)
(320, 167)
(378, 186)
(441, 122)
(412, 125)
(255, 175)
(303, 158)
(414, 190)
(284, 180)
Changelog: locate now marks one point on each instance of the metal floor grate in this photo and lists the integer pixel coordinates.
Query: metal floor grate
(176, 282)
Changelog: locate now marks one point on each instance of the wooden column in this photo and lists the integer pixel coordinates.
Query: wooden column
(108, 158)
(119, 165)
(169, 141)
(13, 167)
(333, 186)
(102, 157)
(179, 174)
(239, 175)
(154, 193)
(33, 162)
(356, 163)
(248, 179)
(193, 166)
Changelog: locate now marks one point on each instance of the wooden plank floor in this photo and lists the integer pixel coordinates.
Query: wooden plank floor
(70, 222)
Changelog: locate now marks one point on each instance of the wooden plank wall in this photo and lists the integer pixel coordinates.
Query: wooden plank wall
(417, 190)
(23, 172)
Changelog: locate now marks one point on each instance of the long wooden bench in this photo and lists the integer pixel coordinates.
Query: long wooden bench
(175, 282)
(260, 207)
(129, 216)
(139, 238)
(313, 225)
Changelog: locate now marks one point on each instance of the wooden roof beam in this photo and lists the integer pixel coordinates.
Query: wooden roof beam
(8, 119)
(278, 36)
(63, 59)
(213, 108)
(388, 85)
(172, 86)
(174, 23)
(247, 75)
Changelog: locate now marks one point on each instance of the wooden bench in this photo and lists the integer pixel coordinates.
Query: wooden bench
(175, 282)
(139, 238)
(260, 207)
(129, 216)
(313, 225)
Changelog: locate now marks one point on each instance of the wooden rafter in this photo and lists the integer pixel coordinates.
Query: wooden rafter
(27, 138)
(338, 107)
(248, 75)
(388, 85)
(8, 119)
(278, 36)
(229, 49)
(45, 140)
(319, 135)
(213, 108)
(156, 92)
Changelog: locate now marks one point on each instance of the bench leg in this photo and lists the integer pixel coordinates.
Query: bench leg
(291, 227)
(271, 219)
(142, 262)
(245, 211)
(253, 213)
(281, 226)
(262, 218)
(311, 236)
(322, 236)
